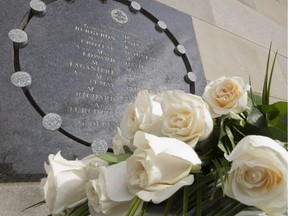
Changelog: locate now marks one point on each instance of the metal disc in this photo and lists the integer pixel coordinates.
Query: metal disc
(180, 50)
(18, 36)
(99, 146)
(21, 79)
(161, 26)
(38, 7)
(190, 77)
(135, 6)
(52, 121)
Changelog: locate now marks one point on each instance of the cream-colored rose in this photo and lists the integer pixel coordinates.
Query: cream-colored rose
(159, 167)
(148, 109)
(185, 117)
(258, 176)
(64, 186)
(108, 193)
(119, 141)
(143, 114)
(226, 96)
(93, 163)
(130, 123)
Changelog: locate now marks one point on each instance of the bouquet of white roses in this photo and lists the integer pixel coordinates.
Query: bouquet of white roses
(189, 155)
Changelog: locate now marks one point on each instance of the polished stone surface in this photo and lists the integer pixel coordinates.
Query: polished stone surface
(87, 60)
(13, 197)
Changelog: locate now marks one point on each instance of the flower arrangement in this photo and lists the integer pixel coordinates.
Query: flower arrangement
(183, 154)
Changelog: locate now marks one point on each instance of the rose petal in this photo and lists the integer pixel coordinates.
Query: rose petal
(166, 145)
(258, 175)
(159, 196)
(117, 182)
(253, 141)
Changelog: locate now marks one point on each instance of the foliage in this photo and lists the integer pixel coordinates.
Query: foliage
(206, 195)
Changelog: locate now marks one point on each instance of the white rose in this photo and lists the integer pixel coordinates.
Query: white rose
(185, 117)
(64, 186)
(258, 176)
(159, 167)
(93, 163)
(118, 143)
(141, 115)
(226, 96)
(148, 109)
(130, 123)
(108, 193)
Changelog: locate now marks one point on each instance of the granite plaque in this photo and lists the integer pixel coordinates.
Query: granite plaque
(85, 60)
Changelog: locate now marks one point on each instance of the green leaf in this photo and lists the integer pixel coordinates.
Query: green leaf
(236, 209)
(214, 187)
(271, 75)
(226, 167)
(34, 205)
(238, 129)
(256, 98)
(250, 94)
(265, 100)
(280, 121)
(111, 158)
(281, 106)
(82, 210)
(255, 120)
(210, 143)
(227, 144)
(276, 114)
(230, 137)
(204, 197)
(268, 78)
(231, 206)
(220, 172)
(274, 133)
(270, 111)
(222, 126)
(208, 148)
(209, 205)
(218, 207)
(223, 147)
(223, 140)
(204, 180)
(127, 149)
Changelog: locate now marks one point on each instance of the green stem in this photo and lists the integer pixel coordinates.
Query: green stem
(185, 201)
(143, 210)
(199, 200)
(133, 206)
(168, 206)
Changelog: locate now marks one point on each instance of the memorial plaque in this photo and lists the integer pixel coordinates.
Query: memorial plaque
(87, 60)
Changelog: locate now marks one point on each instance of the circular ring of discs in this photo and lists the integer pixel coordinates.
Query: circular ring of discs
(21, 79)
